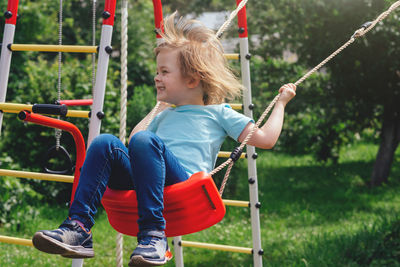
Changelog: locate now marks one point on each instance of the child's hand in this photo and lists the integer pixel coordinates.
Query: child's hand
(287, 91)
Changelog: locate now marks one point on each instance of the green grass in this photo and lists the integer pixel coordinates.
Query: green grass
(312, 215)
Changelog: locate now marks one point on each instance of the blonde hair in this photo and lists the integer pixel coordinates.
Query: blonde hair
(201, 55)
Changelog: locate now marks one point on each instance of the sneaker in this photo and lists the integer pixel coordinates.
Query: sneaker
(70, 240)
(152, 249)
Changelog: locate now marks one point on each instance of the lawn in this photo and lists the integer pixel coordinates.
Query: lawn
(312, 214)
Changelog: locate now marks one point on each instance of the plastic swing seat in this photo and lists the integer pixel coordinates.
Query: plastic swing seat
(189, 206)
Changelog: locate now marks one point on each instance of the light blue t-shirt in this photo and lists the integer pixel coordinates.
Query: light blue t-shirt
(195, 133)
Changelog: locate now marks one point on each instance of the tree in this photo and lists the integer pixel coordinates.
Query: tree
(364, 82)
(33, 79)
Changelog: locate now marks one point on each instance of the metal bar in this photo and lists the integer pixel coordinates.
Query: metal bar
(178, 251)
(227, 154)
(236, 203)
(38, 176)
(251, 161)
(232, 56)
(16, 108)
(53, 48)
(15, 240)
(5, 61)
(216, 247)
(236, 106)
(100, 84)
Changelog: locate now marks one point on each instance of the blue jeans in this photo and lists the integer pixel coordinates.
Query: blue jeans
(146, 166)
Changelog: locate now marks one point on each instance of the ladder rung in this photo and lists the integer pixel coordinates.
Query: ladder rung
(216, 247)
(236, 106)
(227, 154)
(38, 176)
(15, 240)
(236, 203)
(232, 56)
(53, 48)
(16, 108)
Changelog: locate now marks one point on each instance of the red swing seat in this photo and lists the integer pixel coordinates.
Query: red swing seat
(189, 206)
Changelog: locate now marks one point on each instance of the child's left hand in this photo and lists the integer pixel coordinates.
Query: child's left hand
(287, 91)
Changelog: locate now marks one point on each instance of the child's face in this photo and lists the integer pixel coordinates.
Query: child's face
(171, 86)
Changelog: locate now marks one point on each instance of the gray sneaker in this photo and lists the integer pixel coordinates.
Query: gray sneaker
(70, 240)
(152, 249)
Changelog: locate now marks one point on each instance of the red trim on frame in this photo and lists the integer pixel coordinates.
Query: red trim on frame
(242, 20)
(13, 8)
(109, 7)
(158, 16)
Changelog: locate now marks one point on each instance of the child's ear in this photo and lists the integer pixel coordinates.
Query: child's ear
(193, 81)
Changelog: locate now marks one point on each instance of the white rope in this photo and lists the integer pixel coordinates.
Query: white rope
(358, 33)
(231, 17)
(123, 104)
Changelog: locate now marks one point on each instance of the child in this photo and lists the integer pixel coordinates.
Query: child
(192, 74)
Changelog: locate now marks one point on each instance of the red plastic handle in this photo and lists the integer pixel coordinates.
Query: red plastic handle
(68, 127)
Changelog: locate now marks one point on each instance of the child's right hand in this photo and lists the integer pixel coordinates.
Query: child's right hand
(287, 91)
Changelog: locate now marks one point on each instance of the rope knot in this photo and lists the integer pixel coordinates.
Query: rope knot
(236, 153)
(361, 30)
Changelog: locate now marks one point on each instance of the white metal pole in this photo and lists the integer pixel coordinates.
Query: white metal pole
(251, 159)
(5, 62)
(77, 263)
(100, 85)
(178, 251)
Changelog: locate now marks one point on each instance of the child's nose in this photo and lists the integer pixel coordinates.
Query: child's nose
(157, 78)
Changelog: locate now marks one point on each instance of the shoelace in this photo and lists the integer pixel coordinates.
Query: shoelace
(148, 240)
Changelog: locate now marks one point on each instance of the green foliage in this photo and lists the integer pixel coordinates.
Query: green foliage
(34, 78)
(311, 215)
(363, 80)
(14, 197)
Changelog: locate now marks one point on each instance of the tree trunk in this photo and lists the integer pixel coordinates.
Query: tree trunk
(390, 137)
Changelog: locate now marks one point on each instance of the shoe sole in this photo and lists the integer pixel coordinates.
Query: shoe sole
(139, 261)
(52, 246)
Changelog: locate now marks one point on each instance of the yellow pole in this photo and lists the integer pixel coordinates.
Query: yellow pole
(232, 56)
(236, 106)
(78, 113)
(225, 154)
(38, 176)
(236, 203)
(216, 247)
(16, 108)
(54, 48)
(15, 240)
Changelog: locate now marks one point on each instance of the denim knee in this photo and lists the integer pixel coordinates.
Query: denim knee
(142, 141)
(102, 143)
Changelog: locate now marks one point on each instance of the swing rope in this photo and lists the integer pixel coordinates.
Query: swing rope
(231, 17)
(123, 104)
(358, 33)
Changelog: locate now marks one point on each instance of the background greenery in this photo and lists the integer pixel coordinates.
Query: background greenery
(340, 136)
